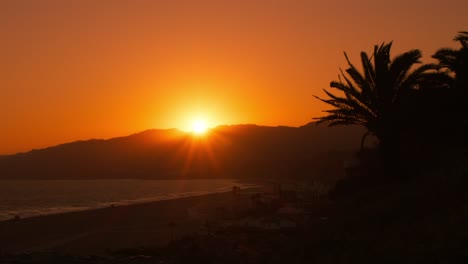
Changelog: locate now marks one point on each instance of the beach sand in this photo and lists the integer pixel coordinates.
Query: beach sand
(121, 227)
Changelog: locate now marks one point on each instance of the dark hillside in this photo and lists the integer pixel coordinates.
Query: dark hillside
(227, 151)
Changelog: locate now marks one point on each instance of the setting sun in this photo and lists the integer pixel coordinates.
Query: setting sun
(199, 127)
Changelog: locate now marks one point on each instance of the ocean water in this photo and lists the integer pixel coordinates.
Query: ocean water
(42, 197)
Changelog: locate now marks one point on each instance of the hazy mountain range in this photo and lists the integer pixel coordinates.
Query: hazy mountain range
(240, 151)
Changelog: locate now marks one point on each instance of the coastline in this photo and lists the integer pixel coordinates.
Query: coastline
(52, 207)
(96, 231)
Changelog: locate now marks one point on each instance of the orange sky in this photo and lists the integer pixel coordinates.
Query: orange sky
(80, 69)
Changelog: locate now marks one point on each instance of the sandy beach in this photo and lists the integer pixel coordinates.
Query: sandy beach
(120, 227)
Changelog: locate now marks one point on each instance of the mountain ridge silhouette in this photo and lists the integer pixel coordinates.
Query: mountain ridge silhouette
(227, 151)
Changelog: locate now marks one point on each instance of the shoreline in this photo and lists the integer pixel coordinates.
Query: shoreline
(95, 231)
(114, 205)
(14, 215)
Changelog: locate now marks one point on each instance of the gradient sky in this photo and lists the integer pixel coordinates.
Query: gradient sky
(80, 69)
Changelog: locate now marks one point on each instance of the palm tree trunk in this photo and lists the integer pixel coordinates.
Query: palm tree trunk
(389, 152)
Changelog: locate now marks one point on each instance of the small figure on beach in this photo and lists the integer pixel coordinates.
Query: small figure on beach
(236, 190)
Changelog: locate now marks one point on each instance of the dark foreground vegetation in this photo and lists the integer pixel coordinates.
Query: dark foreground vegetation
(405, 201)
(418, 115)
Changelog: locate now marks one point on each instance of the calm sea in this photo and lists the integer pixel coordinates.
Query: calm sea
(32, 198)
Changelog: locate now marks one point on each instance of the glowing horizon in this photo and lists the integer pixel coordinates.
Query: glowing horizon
(199, 126)
(75, 70)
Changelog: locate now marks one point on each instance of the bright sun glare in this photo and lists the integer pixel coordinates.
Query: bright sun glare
(199, 127)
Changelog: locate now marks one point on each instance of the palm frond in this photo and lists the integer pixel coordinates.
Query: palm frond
(417, 76)
(401, 65)
(382, 74)
(462, 37)
(369, 95)
(356, 76)
(369, 71)
(447, 58)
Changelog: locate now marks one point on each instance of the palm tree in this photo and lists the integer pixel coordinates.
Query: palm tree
(372, 98)
(455, 62)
